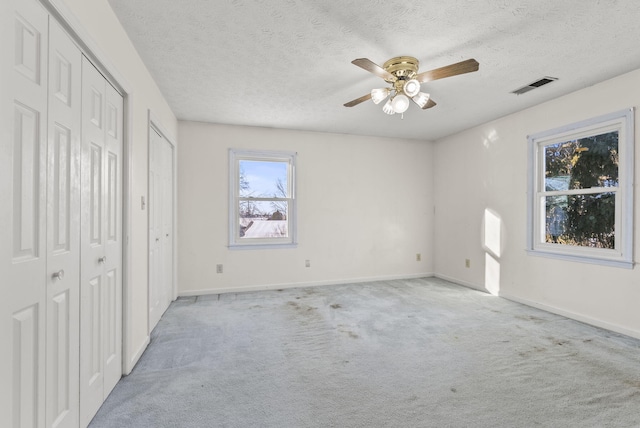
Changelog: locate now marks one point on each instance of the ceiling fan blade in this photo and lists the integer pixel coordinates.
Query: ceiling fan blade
(358, 100)
(449, 70)
(374, 68)
(429, 104)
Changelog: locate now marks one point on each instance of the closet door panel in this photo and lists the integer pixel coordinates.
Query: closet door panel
(63, 230)
(161, 178)
(23, 116)
(101, 241)
(167, 223)
(113, 239)
(92, 246)
(155, 228)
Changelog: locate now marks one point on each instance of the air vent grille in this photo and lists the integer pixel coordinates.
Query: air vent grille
(531, 86)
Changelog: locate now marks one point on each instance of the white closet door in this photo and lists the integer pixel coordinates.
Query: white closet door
(161, 176)
(101, 241)
(112, 327)
(23, 157)
(155, 229)
(168, 178)
(63, 230)
(46, 179)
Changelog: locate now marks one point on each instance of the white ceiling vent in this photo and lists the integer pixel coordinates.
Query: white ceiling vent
(534, 85)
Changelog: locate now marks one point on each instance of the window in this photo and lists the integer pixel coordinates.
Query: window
(262, 205)
(581, 191)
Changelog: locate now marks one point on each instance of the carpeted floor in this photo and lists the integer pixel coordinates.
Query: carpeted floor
(405, 353)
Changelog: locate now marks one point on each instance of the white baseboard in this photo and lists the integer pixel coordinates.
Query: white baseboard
(552, 309)
(575, 316)
(206, 291)
(131, 363)
(461, 282)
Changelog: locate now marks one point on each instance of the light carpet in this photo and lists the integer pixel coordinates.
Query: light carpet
(403, 353)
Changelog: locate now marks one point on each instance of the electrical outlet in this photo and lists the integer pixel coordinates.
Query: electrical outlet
(307, 263)
(218, 268)
(418, 257)
(467, 263)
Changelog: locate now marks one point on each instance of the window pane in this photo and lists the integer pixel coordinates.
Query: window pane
(581, 220)
(263, 219)
(263, 179)
(583, 163)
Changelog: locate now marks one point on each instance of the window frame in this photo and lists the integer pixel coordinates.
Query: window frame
(235, 241)
(622, 255)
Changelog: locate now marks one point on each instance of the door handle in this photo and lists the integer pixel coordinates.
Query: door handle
(58, 275)
(102, 259)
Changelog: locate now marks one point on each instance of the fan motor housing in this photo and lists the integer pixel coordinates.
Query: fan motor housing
(402, 67)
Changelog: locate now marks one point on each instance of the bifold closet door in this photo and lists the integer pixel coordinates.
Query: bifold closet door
(161, 178)
(48, 337)
(63, 230)
(23, 249)
(100, 241)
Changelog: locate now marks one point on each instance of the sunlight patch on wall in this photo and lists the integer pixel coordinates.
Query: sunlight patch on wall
(492, 243)
(491, 274)
(492, 232)
(490, 138)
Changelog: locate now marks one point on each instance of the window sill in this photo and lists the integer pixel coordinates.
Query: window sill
(262, 246)
(626, 264)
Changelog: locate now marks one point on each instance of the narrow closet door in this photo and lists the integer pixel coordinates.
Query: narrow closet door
(112, 305)
(23, 157)
(100, 241)
(155, 228)
(168, 178)
(161, 177)
(92, 243)
(63, 230)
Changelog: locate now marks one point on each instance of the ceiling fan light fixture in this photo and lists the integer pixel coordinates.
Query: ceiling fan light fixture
(411, 87)
(400, 103)
(402, 74)
(421, 99)
(388, 108)
(378, 95)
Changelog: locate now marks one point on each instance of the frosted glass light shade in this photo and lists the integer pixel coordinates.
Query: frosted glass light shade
(421, 99)
(388, 108)
(411, 87)
(378, 95)
(400, 103)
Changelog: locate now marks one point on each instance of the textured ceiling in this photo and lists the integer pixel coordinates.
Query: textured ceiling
(286, 63)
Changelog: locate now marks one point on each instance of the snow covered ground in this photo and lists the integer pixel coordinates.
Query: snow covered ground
(267, 229)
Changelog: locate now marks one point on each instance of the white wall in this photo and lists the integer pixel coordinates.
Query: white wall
(364, 210)
(485, 168)
(366, 204)
(95, 21)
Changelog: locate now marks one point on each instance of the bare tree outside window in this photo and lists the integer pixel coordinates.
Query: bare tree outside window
(264, 199)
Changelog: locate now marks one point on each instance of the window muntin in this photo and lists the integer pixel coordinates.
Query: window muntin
(262, 199)
(580, 186)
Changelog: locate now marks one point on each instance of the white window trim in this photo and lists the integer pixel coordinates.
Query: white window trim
(622, 255)
(235, 156)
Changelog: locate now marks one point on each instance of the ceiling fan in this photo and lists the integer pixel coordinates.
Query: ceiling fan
(402, 73)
